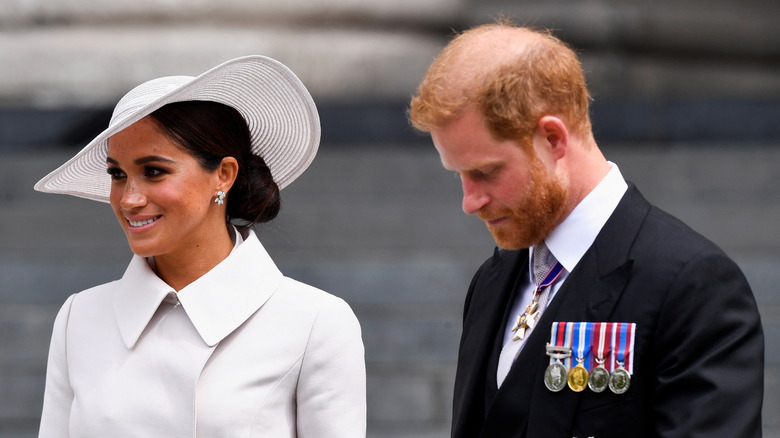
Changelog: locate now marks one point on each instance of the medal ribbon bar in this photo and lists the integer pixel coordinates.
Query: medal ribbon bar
(609, 344)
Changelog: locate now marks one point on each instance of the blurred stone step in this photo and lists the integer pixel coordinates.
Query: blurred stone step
(92, 66)
(312, 12)
(721, 28)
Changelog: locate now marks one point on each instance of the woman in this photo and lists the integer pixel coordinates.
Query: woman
(202, 336)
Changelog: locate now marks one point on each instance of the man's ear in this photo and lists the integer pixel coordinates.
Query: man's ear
(556, 135)
(226, 173)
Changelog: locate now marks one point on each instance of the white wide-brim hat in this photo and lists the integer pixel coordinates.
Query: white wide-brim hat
(279, 111)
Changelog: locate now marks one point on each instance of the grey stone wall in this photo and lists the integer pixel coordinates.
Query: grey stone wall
(664, 49)
(84, 53)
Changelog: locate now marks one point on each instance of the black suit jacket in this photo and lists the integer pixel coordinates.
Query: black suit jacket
(699, 350)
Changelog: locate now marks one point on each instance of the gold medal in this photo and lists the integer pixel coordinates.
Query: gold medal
(578, 377)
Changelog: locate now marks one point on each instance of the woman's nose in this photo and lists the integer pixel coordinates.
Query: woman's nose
(132, 197)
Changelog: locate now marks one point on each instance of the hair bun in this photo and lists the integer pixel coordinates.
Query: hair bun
(255, 197)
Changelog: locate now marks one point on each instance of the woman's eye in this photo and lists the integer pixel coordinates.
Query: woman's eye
(115, 173)
(152, 172)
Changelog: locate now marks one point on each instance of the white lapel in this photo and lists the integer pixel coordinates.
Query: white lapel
(217, 303)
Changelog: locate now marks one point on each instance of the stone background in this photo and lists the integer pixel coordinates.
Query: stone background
(687, 102)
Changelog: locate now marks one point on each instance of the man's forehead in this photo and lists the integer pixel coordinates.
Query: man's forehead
(477, 56)
(471, 156)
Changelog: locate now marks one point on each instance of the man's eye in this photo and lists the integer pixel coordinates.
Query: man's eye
(484, 173)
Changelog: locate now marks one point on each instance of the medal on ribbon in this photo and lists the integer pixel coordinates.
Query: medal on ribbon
(528, 319)
(582, 334)
(559, 350)
(603, 352)
(623, 334)
(599, 377)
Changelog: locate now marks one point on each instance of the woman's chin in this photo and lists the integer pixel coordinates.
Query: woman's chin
(142, 249)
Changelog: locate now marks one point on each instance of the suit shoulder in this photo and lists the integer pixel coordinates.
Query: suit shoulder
(667, 251)
(669, 235)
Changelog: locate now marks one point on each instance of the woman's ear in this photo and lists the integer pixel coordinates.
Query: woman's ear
(226, 173)
(555, 134)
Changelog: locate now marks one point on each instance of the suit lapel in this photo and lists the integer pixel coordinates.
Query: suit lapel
(491, 385)
(486, 304)
(590, 293)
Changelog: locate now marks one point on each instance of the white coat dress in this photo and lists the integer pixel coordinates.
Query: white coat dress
(241, 352)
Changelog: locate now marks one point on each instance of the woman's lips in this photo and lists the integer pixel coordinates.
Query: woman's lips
(139, 224)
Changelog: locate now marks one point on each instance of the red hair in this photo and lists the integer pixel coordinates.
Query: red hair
(513, 87)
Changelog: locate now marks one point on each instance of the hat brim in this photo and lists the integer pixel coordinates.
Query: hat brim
(279, 111)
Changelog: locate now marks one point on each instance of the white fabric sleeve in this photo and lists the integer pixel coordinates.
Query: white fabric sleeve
(331, 394)
(58, 396)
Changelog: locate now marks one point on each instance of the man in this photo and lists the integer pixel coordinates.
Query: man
(662, 321)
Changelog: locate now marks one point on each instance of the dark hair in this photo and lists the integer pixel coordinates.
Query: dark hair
(211, 131)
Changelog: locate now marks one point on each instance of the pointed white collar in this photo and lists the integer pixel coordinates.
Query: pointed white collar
(217, 303)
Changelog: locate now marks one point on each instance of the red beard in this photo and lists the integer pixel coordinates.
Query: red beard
(537, 213)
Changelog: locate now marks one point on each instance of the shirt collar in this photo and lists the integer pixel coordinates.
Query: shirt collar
(571, 239)
(217, 303)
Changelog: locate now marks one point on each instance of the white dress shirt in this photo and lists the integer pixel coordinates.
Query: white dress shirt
(568, 242)
(241, 352)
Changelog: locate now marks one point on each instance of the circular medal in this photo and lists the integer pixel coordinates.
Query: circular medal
(578, 378)
(598, 379)
(619, 381)
(555, 377)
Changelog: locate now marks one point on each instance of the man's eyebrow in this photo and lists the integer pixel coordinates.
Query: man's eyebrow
(481, 166)
(142, 160)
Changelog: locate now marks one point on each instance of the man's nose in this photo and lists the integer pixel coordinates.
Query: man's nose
(474, 199)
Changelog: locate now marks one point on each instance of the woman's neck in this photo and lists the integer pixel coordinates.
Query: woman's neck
(181, 269)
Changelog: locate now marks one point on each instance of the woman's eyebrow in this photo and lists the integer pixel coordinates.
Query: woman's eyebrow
(151, 158)
(142, 160)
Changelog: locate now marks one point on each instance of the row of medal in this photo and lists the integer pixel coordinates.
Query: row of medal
(603, 352)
